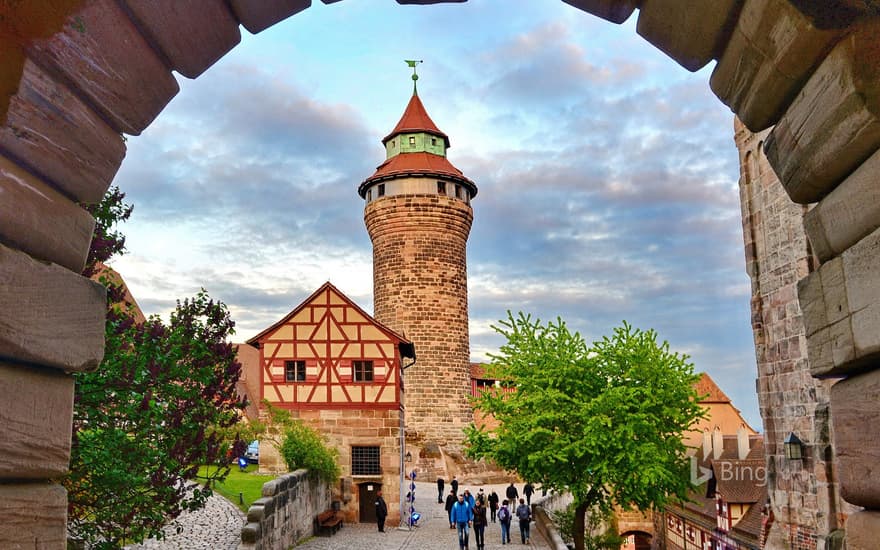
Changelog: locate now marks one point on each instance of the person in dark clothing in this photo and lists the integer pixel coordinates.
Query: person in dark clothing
(512, 494)
(381, 511)
(450, 502)
(454, 485)
(480, 524)
(524, 514)
(528, 490)
(440, 490)
(493, 504)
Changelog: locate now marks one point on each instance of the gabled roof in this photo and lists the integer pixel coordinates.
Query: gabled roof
(706, 386)
(415, 119)
(391, 333)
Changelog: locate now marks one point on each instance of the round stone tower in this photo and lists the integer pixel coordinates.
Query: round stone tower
(418, 215)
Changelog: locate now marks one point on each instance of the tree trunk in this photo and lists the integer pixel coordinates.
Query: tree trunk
(580, 511)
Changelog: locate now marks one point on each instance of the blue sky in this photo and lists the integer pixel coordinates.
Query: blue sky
(606, 173)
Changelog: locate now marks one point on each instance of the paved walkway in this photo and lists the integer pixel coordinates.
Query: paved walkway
(218, 527)
(433, 532)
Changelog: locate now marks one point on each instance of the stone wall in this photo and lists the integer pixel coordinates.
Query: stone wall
(344, 428)
(286, 513)
(805, 494)
(420, 290)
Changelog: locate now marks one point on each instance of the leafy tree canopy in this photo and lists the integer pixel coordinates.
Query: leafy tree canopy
(151, 413)
(603, 422)
(301, 446)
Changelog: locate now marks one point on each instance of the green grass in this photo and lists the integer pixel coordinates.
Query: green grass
(248, 483)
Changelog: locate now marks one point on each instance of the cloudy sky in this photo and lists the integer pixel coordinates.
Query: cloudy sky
(606, 173)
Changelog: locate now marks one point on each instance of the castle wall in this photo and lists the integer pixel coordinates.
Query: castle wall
(804, 494)
(420, 290)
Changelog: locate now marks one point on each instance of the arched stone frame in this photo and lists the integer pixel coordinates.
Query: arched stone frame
(61, 142)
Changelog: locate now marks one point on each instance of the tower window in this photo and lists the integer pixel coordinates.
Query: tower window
(363, 371)
(369, 195)
(433, 141)
(458, 191)
(412, 140)
(381, 191)
(295, 371)
(365, 461)
(441, 187)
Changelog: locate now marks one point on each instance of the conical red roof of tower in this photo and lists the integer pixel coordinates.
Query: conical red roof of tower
(415, 119)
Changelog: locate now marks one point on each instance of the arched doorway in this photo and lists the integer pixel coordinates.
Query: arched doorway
(636, 540)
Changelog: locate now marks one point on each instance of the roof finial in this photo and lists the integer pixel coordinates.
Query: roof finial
(412, 63)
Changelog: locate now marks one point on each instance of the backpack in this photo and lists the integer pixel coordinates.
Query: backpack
(523, 513)
(504, 514)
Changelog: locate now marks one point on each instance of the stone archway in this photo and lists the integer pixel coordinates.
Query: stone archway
(809, 68)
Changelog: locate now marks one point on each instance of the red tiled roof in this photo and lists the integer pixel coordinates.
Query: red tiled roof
(706, 386)
(419, 163)
(415, 119)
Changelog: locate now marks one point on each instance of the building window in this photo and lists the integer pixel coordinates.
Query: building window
(295, 371)
(392, 143)
(433, 141)
(412, 140)
(381, 191)
(365, 461)
(441, 187)
(458, 191)
(369, 195)
(363, 371)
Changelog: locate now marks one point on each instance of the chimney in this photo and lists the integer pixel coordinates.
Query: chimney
(707, 444)
(717, 443)
(742, 442)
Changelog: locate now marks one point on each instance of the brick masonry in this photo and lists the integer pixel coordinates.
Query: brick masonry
(805, 494)
(420, 290)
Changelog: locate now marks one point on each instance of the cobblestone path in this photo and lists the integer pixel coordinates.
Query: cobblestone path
(217, 526)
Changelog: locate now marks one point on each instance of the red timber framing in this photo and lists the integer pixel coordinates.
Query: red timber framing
(329, 354)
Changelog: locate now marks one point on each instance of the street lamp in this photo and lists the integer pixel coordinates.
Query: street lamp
(408, 456)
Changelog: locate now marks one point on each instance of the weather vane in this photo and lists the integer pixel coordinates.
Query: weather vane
(412, 63)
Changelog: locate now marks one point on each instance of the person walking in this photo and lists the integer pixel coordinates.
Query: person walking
(493, 504)
(528, 490)
(462, 517)
(440, 483)
(450, 502)
(504, 517)
(524, 514)
(454, 485)
(469, 499)
(512, 494)
(381, 511)
(480, 524)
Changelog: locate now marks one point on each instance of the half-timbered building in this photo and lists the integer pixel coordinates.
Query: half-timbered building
(339, 370)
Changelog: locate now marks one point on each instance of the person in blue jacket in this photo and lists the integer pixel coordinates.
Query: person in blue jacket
(462, 516)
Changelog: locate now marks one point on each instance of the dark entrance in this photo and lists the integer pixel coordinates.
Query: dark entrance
(367, 501)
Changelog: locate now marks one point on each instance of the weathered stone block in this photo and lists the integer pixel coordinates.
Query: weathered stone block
(616, 11)
(60, 138)
(259, 15)
(841, 309)
(251, 533)
(37, 414)
(102, 54)
(863, 530)
(193, 35)
(772, 51)
(832, 126)
(41, 221)
(692, 32)
(34, 516)
(49, 315)
(848, 213)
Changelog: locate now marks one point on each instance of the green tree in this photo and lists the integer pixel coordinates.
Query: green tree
(603, 422)
(300, 446)
(151, 413)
